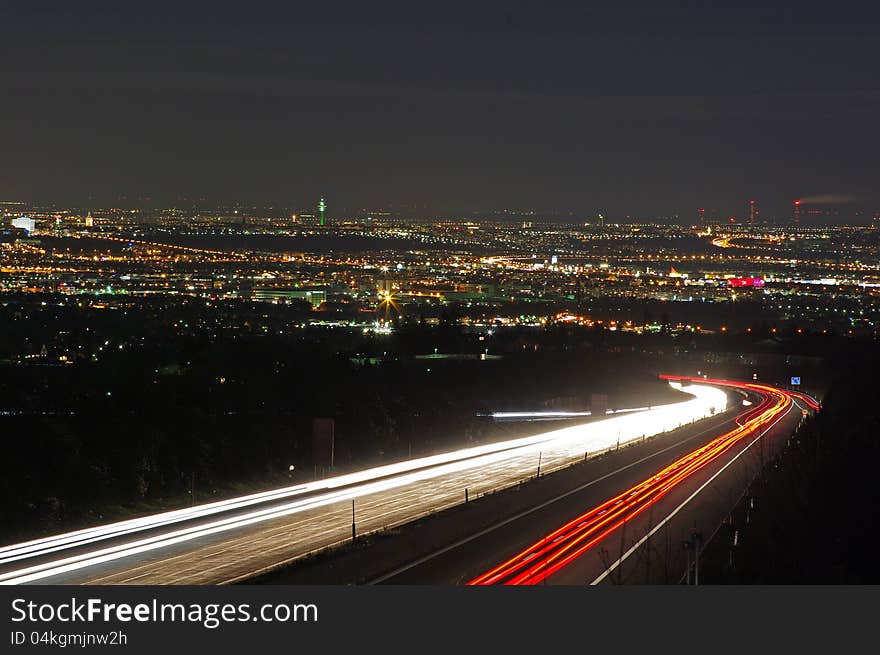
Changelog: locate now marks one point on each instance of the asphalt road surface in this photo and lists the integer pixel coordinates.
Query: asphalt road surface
(232, 540)
(628, 525)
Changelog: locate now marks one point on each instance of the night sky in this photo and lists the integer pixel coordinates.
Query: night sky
(445, 107)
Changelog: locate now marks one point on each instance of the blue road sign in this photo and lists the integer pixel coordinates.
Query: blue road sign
(795, 381)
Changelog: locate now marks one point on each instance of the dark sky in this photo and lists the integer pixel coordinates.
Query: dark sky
(617, 107)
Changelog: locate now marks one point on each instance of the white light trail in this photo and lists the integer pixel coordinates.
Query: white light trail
(557, 447)
(561, 414)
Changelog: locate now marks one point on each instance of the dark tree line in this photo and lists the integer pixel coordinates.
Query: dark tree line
(811, 516)
(144, 427)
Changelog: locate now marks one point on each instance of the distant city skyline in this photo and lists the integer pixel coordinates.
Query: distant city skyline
(833, 209)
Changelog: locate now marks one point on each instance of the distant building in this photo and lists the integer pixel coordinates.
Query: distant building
(706, 219)
(24, 223)
(314, 296)
(737, 282)
(385, 286)
(322, 208)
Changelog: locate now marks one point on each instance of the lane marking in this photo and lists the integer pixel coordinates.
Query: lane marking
(686, 501)
(457, 466)
(516, 517)
(54, 543)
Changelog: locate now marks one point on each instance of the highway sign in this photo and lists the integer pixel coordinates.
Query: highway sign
(795, 381)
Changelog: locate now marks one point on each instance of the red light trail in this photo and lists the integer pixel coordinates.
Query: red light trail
(566, 544)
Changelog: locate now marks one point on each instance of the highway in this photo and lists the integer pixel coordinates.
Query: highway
(232, 540)
(646, 507)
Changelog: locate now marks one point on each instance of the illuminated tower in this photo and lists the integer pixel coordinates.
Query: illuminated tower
(753, 212)
(796, 215)
(322, 206)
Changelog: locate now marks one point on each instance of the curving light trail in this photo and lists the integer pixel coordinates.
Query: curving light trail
(503, 463)
(566, 544)
(549, 415)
